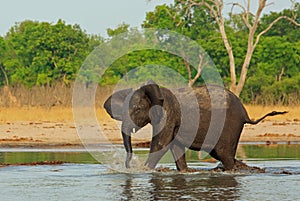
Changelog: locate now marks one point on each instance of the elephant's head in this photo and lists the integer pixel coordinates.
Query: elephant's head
(135, 108)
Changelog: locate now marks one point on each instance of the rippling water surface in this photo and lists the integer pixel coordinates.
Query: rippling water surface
(84, 180)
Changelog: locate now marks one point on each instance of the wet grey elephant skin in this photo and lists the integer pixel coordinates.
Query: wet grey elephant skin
(160, 107)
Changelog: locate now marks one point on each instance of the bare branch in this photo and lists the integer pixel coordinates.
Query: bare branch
(245, 14)
(170, 14)
(271, 25)
(187, 10)
(238, 5)
(262, 5)
(199, 70)
(248, 6)
(5, 75)
(204, 3)
(187, 66)
(269, 4)
(293, 7)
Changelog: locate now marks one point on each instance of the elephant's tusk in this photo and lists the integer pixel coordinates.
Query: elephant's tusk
(133, 131)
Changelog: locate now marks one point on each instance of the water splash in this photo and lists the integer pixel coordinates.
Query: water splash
(137, 164)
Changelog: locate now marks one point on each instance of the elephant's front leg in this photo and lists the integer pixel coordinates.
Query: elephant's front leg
(178, 152)
(160, 144)
(154, 157)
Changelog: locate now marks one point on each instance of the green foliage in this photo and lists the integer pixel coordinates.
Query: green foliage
(3, 50)
(285, 92)
(140, 59)
(122, 28)
(274, 63)
(43, 53)
(162, 17)
(283, 27)
(275, 74)
(163, 75)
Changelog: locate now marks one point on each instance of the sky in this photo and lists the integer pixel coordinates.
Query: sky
(93, 16)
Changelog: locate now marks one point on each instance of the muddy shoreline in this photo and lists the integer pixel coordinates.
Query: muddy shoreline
(47, 134)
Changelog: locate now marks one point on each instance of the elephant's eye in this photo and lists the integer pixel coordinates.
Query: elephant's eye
(137, 110)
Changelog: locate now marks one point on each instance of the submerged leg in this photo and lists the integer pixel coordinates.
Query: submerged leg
(227, 160)
(155, 155)
(178, 152)
(160, 144)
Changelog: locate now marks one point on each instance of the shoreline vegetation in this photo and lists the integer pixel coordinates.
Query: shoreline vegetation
(42, 127)
(40, 61)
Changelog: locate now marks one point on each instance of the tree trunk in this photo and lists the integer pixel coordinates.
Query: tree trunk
(230, 55)
(243, 75)
(280, 74)
(12, 100)
(246, 63)
(215, 8)
(5, 75)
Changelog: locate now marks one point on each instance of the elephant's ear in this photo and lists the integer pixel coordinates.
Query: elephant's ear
(152, 90)
(115, 103)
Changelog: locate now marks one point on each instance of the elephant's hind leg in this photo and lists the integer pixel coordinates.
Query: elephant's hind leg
(178, 152)
(226, 159)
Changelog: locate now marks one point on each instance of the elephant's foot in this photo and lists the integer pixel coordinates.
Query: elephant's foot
(167, 169)
(219, 168)
(239, 166)
(164, 169)
(189, 170)
(128, 159)
(149, 165)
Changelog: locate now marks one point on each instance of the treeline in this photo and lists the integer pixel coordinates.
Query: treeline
(43, 54)
(39, 53)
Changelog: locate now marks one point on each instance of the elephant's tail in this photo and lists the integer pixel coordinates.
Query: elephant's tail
(274, 113)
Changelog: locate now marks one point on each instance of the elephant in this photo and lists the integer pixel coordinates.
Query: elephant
(162, 108)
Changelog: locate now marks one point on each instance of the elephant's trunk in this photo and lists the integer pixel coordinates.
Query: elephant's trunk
(126, 134)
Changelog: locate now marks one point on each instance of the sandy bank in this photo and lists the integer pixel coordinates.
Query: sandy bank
(35, 127)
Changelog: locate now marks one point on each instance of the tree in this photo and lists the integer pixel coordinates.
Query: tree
(3, 52)
(277, 64)
(144, 59)
(43, 53)
(164, 17)
(251, 21)
(122, 28)
(282, 27)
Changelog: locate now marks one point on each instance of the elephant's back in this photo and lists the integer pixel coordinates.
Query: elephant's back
(209, 97)
(219, 109)
(212, 97)
(217, 98)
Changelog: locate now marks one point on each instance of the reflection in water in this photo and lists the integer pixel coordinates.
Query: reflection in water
(137, 187)
(180, 187)
(244, 152)
(95, 182)
(88, 181)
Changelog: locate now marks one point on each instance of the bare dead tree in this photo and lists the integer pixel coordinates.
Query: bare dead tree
(215, 8)
(5, 75)
(12, 100)
(200, 66)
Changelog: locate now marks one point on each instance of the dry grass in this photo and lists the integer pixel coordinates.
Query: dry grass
(65, 114)
(55, 104)
(36, 114)
(256, 111)
(55, 114)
